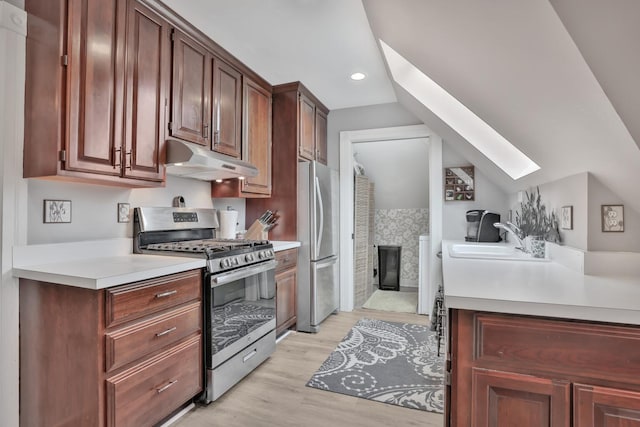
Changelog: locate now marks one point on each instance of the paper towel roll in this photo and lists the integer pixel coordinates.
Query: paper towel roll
(228, 220)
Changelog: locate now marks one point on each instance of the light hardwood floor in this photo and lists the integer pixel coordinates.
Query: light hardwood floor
(275, 393)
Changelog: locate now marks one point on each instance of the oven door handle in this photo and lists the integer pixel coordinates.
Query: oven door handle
(243, 273)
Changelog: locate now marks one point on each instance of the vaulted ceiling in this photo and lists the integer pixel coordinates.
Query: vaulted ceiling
(557, 78)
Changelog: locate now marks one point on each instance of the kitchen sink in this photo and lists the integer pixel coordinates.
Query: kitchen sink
(498, 251)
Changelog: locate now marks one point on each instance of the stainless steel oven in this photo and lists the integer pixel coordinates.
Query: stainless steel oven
(239, 312)
(240, 324)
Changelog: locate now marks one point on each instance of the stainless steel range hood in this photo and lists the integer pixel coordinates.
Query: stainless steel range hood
(193, 161)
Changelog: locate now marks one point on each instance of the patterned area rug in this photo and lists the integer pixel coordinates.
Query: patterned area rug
(387, 362)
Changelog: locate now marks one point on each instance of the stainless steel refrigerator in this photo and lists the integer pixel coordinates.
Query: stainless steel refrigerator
(318, 227)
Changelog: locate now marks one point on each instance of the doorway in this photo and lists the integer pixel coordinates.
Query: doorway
(349, 141)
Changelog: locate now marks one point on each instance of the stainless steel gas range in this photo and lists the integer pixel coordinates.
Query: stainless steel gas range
(239, 292)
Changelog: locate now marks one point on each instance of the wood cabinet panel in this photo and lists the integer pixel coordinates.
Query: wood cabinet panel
(321, 136)
(605, 407)
(286, 259)
(127, 344)
(227, 109)
(502, 398)
(256, 136)
(191, 88)
(61, 352)
(91, 133)
(141, 395)
(554, 346)
(286, 290)
(129, 302)
(147, 82)
(306, 127)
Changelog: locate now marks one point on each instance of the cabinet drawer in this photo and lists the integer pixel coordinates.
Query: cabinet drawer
(554, 346)
(127, 344)
(130, 302)
(286, 259)
(148, 392)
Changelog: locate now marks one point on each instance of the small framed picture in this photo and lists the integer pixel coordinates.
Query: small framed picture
(612, 218)
(123, 212)
(566, 218)
(57, 211)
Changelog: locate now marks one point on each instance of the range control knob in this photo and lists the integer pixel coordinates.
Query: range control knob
(235, 261)
(249, 257)
(260, 255)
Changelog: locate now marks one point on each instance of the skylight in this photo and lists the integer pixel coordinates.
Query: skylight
(471, 127)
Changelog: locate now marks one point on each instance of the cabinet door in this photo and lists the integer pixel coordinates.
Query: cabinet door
(510, 399)
(191, 89)
(605, 407)
(306, 135)
(227, 108)
(286, 283)
(256, 136)
(321, 136)
(93, 127)
(146, 79)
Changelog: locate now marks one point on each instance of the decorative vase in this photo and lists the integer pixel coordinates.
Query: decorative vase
(536, 246)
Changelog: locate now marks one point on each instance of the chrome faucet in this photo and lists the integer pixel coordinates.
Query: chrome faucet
(515, 231)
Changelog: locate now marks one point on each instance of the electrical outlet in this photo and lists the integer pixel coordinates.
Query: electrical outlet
(123, 212)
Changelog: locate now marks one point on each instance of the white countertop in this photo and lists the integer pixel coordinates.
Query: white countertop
(99, 264)
(538, 288)
(283, 245)
(94, 264)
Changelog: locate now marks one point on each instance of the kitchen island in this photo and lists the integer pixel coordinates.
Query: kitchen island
(539, 343)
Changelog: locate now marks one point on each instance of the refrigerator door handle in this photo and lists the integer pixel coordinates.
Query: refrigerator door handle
(319, 231)
(326, 262)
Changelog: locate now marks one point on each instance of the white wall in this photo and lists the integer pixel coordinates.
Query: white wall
(587, 194)
(12, 201)
(569, 191)
(399, 170)
(627, 241)
(94, 207)
(358, 118)
(488, 196)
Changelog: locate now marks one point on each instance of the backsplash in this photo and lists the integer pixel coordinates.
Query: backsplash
(403, 227)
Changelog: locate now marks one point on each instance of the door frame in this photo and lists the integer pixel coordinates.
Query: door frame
(347, 139)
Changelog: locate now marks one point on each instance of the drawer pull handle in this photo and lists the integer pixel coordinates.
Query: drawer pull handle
(166, 386)
(249, 356)
(166, 294)
(168, 331)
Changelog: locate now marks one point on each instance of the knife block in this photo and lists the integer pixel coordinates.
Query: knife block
(257, 231)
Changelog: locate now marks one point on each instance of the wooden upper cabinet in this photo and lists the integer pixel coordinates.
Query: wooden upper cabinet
(227, 109)
(191, 88)
(321, 136)
(147, 78)
(306, 127)
(256, 136)
(83, 58)
(92, 123)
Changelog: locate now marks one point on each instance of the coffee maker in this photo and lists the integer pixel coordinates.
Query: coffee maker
(480, 226)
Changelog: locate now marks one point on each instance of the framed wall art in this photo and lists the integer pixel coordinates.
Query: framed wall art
(56, 211)
(566, 218)
(459, 184)
(612, 218)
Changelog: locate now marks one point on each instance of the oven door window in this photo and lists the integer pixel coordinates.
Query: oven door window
(239, 308)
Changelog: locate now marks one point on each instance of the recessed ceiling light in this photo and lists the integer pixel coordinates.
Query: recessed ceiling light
(358, 76)
(451, 111)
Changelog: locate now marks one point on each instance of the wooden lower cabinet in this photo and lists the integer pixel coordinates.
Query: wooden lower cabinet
(511, 370)
(505, 398)
(123, 356)
(286, 289)
(605, 407)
